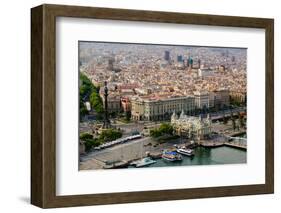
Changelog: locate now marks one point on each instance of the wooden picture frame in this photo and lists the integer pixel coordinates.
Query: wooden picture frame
(43, 105)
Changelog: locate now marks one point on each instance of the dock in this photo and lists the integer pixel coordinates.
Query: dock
(214, 144)
(236, 145)
(211, 144)
(116, 165)
(155, 155)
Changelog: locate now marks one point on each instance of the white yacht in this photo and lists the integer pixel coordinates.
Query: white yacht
(185, 151)
(144, 162)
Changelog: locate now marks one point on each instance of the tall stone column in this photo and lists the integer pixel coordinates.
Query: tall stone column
(106, 122)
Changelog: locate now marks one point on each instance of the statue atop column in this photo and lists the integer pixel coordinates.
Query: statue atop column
(106, 122)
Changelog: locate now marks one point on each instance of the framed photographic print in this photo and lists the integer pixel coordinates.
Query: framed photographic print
(137, 106)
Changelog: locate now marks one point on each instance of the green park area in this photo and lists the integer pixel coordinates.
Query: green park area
(88, 92)
(163, 133)
(105, 136)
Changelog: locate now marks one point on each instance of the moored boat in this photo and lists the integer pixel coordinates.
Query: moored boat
(185, 151)
(144, 162)
(171, 156)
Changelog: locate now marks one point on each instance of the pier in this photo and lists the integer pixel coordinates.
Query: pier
(116, 165)
(212, 144)
(234, 144)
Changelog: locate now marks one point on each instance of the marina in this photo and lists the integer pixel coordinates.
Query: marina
(208, 156)
(172, 154)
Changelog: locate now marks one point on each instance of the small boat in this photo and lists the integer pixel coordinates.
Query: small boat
(144, 162)
(116, 165)
(171, 156)
(185, 151)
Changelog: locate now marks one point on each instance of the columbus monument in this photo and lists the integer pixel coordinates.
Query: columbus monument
(106, 122)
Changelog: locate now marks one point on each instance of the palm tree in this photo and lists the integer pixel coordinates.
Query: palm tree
(241, 120)
(233, 121)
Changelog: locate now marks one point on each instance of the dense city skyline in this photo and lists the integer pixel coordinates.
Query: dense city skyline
(157, 97)
(143, 71)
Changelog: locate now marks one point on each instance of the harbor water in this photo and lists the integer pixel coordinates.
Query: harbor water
(208, 156)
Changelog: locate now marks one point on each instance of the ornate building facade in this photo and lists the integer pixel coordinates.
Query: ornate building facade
(190, 126)
(160, 109)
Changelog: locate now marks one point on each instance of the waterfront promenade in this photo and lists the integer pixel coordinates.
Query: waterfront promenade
(125, 153)
(129, 151)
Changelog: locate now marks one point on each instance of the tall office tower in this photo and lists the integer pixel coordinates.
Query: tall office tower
(190, 62)
(179, 58)
(167, 55)
(110, 64)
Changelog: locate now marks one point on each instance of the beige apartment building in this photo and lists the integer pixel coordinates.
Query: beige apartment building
(202, 99)
(160, 109)
(113, 103)
(238, 96)
(222, 97)
(219, 98)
